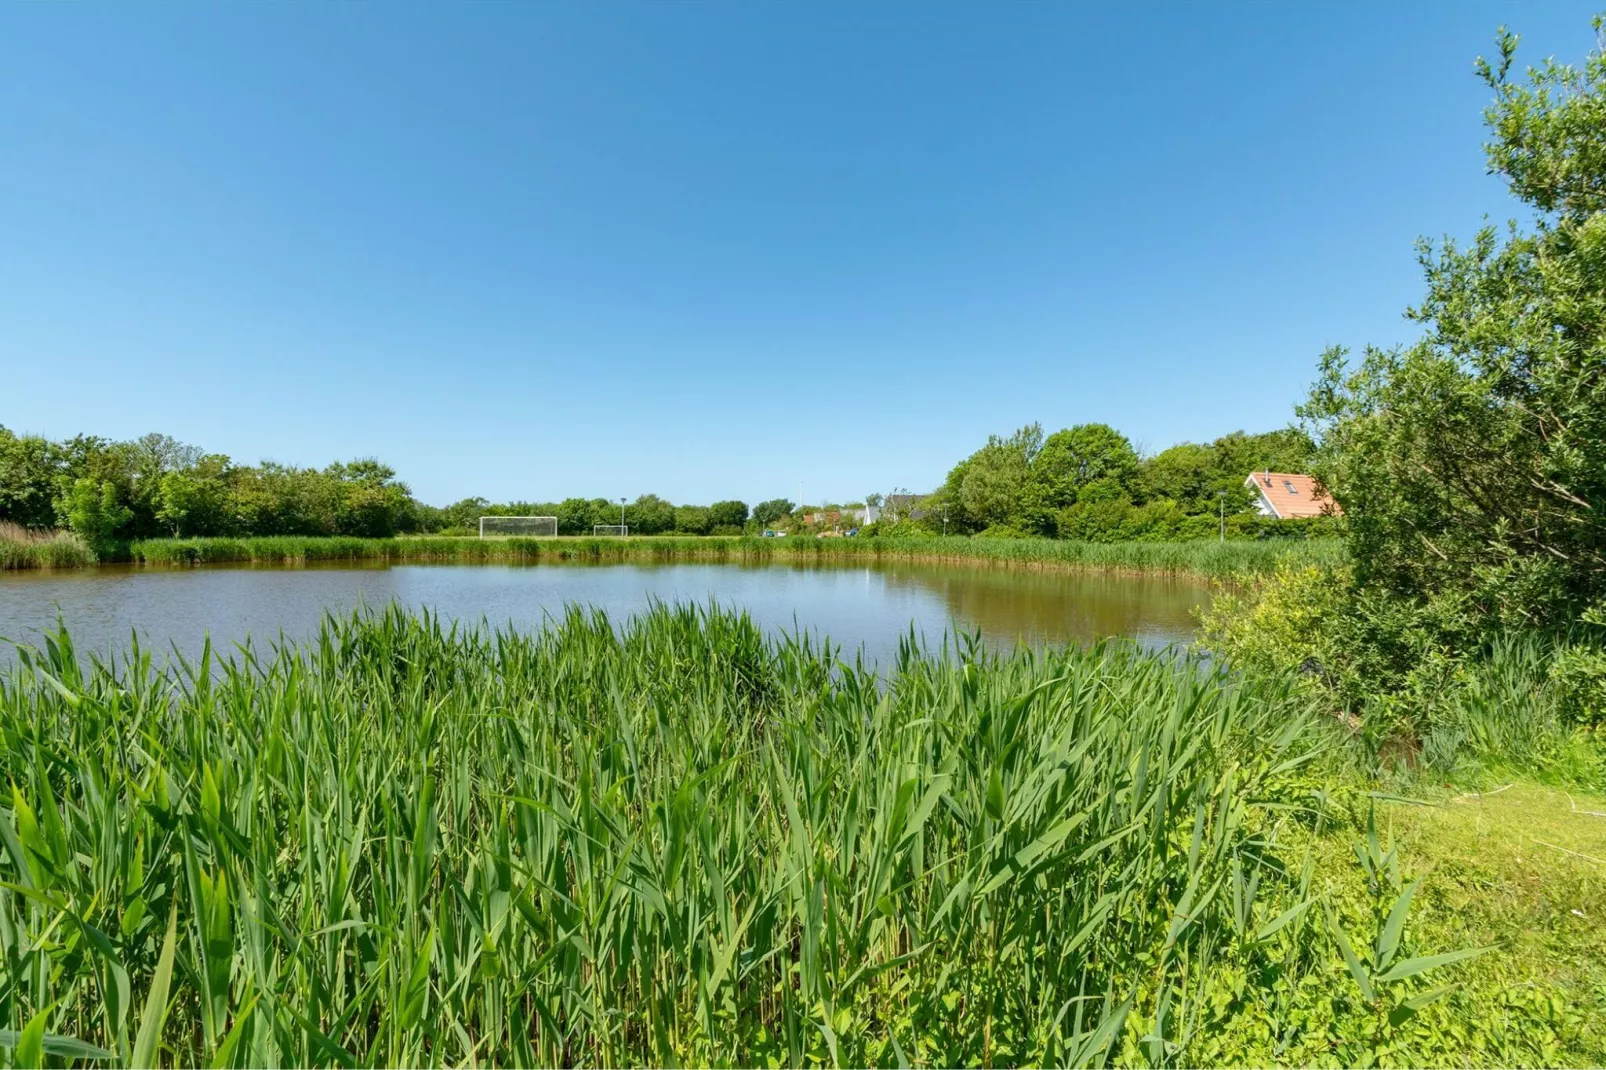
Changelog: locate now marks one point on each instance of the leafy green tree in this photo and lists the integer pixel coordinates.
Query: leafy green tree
(650, 515)
(366, 499)
(765, 514)
(276, 499)
(1472, 465)
(98, 460)
(462, 515)
(149, 459)
(94, 512)
(1186, 473)
(29, 466)
(1079, 456)
(576, 517)
(197, 499)
(727, 514)
(605, 511)
(1194, 475)
(991, 485)
(694, 519)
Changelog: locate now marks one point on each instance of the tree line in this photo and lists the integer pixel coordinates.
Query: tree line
(1090, 482)
(1085, 482)
(647, 515)
(155, 486)
(111, 492)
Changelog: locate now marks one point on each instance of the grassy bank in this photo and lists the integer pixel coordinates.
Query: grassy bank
(1203, 558)
(679, 842)
(23, 548)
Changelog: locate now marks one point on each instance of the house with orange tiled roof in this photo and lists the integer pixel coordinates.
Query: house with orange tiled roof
(1286, 495)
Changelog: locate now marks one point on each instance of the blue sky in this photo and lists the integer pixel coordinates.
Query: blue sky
(714, 250)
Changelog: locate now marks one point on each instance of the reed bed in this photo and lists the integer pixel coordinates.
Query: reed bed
(666, 841)
(1206, 557)
(22, 547)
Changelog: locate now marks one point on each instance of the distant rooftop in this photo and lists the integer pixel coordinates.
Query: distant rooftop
(1292, 494)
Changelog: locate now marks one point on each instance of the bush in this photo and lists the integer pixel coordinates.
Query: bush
(1414, 682)
(1578, 673)
(1002, 531)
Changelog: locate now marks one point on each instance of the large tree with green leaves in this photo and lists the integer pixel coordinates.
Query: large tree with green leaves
(1084, 456)
(1472, 464)
(29, 468)
(992, 485)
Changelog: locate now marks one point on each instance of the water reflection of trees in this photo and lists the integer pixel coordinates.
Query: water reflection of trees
(1055, 606)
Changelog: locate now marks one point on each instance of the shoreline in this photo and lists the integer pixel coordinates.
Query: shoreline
(1204, 558)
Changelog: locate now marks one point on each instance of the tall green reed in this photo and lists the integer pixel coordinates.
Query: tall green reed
(22, 547)
(1200, 557)
(668, 841)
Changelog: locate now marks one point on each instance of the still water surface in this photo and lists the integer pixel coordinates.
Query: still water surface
(868, 606)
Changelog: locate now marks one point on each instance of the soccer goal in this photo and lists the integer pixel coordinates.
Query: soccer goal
(610, 529)
(503, 526)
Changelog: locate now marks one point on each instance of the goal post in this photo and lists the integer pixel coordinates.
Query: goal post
(506, 526)
(610, 529)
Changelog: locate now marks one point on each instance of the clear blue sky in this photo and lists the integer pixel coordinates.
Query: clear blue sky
(711, 250)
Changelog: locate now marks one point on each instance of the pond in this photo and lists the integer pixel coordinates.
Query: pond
(860, 606)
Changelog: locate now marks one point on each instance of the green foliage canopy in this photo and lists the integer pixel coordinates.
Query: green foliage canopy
(1089, 482)
(1472, 465)
(767, 513)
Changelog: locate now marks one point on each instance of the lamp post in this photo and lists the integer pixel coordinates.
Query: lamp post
(622, 529)
(1221, 498)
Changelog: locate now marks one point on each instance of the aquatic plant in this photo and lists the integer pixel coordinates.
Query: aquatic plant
(674, 840)
(22, 547)
(1205, 557)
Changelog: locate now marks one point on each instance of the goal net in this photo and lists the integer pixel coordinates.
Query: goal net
(503, 526)
(610, 529)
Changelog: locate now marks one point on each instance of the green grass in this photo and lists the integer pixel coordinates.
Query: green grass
(1203, 557)
(1521, 868)
(677, 841)
(22, 548)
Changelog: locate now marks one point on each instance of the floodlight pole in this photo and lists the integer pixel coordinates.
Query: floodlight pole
(1221, 498)
(621, 516)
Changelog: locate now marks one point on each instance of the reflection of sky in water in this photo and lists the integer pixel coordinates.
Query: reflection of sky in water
(872, 606)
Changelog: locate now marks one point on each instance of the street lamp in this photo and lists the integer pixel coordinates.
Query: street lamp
(622, 529)
(1221, 497)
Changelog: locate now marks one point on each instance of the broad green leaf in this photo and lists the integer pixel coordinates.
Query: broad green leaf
(147, 1042)
(59, 1046)
(1424, 963)
(995, 794)
(1388, 941)
(30, 1050)
(1275, 925)
(1356, 970)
